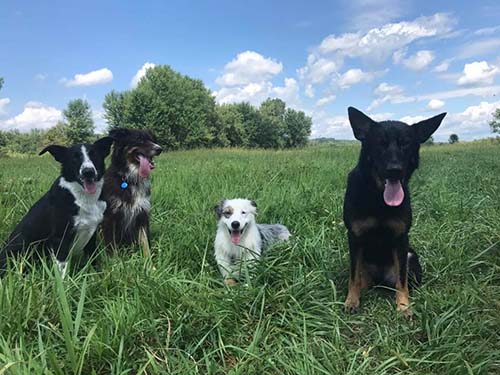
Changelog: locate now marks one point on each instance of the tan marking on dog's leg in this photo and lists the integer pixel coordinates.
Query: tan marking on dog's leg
(359, 282)
(230, 282)
(402, 293)
(143, 241)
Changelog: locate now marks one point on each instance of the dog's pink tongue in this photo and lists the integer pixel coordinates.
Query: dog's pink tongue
(89, 187)
(393, 193)
(235, 237)
(144, 167)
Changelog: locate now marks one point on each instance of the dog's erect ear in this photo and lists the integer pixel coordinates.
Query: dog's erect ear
(103, 145)
(119, 133)
(253, 203)
(425, 128)
(219, 209)
(360, 123)
(58, 152)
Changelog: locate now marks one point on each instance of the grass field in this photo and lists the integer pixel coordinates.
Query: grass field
(173, 314)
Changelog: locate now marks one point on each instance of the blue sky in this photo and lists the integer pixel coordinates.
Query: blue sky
(392, 59)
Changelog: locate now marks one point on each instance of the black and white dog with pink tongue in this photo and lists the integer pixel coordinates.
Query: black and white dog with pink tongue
(240, 239)
(65, 219)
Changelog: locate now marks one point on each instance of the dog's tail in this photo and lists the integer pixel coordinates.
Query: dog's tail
(414, 269)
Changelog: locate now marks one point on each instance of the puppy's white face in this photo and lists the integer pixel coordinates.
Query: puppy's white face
(235, 215)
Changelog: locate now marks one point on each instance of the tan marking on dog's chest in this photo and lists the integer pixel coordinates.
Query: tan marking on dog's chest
(396, 225)
(359, 227)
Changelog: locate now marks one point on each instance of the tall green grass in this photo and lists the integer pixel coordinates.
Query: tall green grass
(173, 314)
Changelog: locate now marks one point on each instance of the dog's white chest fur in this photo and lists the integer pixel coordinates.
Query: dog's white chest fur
(230, 257)
(90, 213)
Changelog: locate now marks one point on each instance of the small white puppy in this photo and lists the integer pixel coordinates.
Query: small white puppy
(239, 238)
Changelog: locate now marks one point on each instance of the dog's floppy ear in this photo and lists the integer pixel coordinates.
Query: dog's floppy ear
(103, 145)
(360, 123)
(119, 133)
(219, 208)
(425, 128)
(58, 152)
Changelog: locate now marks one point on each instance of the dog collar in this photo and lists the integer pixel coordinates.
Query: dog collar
(124, 184)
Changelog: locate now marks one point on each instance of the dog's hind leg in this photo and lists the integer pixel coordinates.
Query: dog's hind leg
(144, 242)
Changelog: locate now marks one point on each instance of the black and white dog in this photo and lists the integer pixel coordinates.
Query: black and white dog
(239, 238)
(65, 219)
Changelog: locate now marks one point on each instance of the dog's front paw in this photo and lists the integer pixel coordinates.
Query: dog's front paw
(403, 308)
(230, 282)
(351, 305)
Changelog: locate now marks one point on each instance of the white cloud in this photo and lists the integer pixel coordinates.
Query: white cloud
(472, 123)
(288, 93)
(487, 91)
(325, 100)
(379, 43)
(478, 73)
(309, 91)
(327, 126)
(442, 67)
(365, 14)
(354, 76)
(338, 126)
(96, 77)
(40, 77)
(248, 67)
(3, 104)
(479, 48)
(254, 93)
(385, 92)
(412, 119)
(418, 61)
(487, 30)
(35, 115)
(435, 104)
(375, 45)
(140, 73)
(318, 70)
(248, 78)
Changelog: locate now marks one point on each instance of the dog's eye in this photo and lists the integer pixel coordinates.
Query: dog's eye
(243, 212)
(227, 214)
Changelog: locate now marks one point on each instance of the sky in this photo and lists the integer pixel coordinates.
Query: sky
(393, 59)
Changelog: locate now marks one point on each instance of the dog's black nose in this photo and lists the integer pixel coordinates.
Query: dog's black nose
(235, 224)
(88, 173)
(394, 170)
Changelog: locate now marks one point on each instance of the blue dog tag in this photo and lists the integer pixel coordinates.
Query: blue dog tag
(124, 185)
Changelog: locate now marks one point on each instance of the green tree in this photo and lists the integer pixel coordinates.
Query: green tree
(56, 135)
(495, 123)
(233, 129)
(1, 83)
(453, 138)
(298, 128)
(80, 125)
(270, 132)
(180, 110)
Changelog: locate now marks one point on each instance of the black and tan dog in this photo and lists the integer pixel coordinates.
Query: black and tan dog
(127, 188)
(377, 209)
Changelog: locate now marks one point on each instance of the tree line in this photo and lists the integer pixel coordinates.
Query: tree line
(182, 113)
